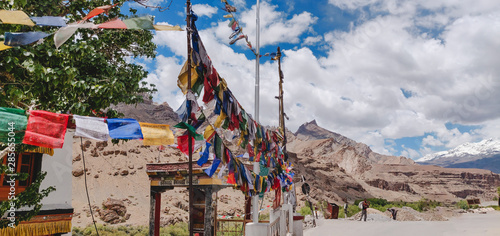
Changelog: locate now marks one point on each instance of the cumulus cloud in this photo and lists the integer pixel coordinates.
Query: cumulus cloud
(204, 10)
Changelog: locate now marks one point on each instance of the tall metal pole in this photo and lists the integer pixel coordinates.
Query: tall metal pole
(256, 167)
(190, 141)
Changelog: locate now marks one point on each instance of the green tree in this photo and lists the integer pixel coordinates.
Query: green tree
(87, 74)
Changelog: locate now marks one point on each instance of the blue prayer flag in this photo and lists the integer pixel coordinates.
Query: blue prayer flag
(213, 168)
(20, 39)
(124, 128)
(49, 21)
(204, 157)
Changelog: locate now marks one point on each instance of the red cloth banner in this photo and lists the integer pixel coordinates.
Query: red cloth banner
(46, 129)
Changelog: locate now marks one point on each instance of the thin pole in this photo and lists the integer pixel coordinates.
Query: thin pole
(190, 141)
(256, 167)
(282, 109)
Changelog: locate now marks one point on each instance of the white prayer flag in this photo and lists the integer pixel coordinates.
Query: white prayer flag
(91, 127)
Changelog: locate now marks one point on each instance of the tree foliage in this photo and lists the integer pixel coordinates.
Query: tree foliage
(91, 71)
(88, 73)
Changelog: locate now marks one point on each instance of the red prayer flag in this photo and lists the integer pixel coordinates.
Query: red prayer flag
(231, 179)
(183, 144)
(113, 24)
(46, 129)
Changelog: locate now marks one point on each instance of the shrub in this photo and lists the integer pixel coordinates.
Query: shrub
(462, 204)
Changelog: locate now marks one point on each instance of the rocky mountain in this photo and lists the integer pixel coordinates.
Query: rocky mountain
(340, 170)
(481, 155)
(149, 112)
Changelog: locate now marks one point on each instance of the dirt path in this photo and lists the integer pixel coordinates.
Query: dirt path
(468, 224)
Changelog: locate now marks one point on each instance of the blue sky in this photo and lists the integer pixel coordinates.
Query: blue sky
(406, 77)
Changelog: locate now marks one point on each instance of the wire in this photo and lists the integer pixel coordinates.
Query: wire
(86, 189)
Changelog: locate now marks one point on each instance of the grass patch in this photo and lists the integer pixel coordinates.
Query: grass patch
(179, 229)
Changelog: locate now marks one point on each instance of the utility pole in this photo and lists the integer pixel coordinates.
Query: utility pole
(190, 141)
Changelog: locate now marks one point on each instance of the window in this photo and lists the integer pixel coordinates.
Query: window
(30, 163)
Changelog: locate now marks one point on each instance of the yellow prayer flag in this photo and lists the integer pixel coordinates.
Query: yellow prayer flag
(220, 119)
(15, 17)
(3, 46)
(228, 16)
(223, 87)
(44, 150)
(156, 134)
(208, 132)
(182, 82)
(167, 28)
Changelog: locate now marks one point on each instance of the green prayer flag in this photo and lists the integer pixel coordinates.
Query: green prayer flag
(13, 124)
(143, 22)
(190, 129)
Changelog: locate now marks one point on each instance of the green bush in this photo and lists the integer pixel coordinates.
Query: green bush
(462, 204)
(305, 210)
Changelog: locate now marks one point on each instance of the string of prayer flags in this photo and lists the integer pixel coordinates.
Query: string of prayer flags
(15, 17)
(12, 125)
(91, 127)
(156, 134)
(236, 39)
(56, 21)
(25, 38)
(124, 128)
(46, 129)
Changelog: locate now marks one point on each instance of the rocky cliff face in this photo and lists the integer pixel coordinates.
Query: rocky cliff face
(357, 172)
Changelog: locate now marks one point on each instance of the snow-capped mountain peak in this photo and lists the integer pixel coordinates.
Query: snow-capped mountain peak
(485, 148)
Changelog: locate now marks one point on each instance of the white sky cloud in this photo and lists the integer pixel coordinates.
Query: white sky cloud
(204, 10)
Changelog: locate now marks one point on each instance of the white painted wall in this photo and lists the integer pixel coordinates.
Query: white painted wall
(58, 168)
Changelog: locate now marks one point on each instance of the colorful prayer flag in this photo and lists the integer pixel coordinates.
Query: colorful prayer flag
(12, 125)
(182, 81)
(124, 128)
(156, 134)
(56, 21)
(191, 130)
(3, 46)
(64, 33)
(143, 22)
(183, 144)
(210, 171)
(167, 28)
(15, 17)
(204, 156)
(98, 11)
(113, 24)
(25, 38)
(46, 129)
(91, 127)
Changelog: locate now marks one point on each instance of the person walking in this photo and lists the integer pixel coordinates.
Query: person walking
(345, 209)
(365, 204)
